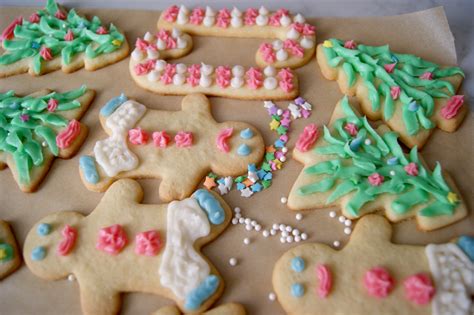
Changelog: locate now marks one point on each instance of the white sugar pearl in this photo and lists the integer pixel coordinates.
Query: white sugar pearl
(272, 296)
(160, 65)
(253, 223)
(273, 232)
(266, 233)
(392, 173)
(246, 241)
(342, 219)
(258, 227)
(44, 144)
(282, 239)
(368, 142)
(71, 277)
(248, 227)
(283, 158)
(336, 243)
(181, 68)
(284, 200)
(295, 232)
(332, 214)
(269, 71)
(233, 261)
(348, 222)
(275, 226)
(284, 149)
(282, 227)
(279, 112)
(247, 220)
(347, 230)
(284, 233)
(289, 239)
(297, 238)
(238, 215)
(241, 220)
(235, 221)
(289, 228)
(298, 217)
(237, 210)
(304, 236)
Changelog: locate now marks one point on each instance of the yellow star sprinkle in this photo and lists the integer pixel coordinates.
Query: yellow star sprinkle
(327, 43)
(3, 254)
(278, 164)
(452, 198)
(274, 124)
(116, 42)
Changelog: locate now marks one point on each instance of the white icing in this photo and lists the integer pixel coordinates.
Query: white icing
(183, 9)
(307, 42)
(262, 20)
(182, 18)
(175, 32)
(263, 11)
(270, 83)
(236, 12)
(285, 20)
(269, 71)
(299, 18)
(160, 65)
(153, 76)
(138, 55)
(293, 34)
(178, 79)
(181, 68)
(277, 44)
(210, 11)
(205, 81)
(236, 21)
(281, 55)
(226, 186)
(209, 21)
(236, 82)
(149, 37)
(182, 269)
(238, 71)
(125, 117)
(160, 44)
(181, 42)
(206, 69)
(453, 273)
(113, 155)
(152, 53)
(294, 110)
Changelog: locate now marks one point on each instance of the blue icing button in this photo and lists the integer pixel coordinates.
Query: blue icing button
(243, 150)
(392, 161)
(355, 144)
(87, 165)
(467, 245)
(297, 290)
(297, 264)
(113, 104)
(38, 253)
(252, 168)
(209, 203)
(43, 229)
(246, 133)
(240, 186)
(256, 187)
(413, 106)
(206, 288)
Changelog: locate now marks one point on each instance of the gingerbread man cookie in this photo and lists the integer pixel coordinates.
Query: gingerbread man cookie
(226, 309)
(54, 38)
(9, 255)
(295, 38)
(35, 129)
(180, 147)
(363, 170)
(125, 246)
(371, 275)
(411, 95)
(150, 71)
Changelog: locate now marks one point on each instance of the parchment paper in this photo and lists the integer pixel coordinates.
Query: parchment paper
(424, 33)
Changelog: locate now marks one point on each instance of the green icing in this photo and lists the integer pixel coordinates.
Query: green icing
(50, 31)
(356, 158)
(27, 127)
(369, 61)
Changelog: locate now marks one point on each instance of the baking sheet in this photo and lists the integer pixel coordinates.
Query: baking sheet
(425, 33)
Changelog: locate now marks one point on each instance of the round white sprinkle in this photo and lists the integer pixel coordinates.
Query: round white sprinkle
(275, 226)
(44, 144)
(283, 158)
(282, 227)
(266, 233)
(304, 236)
(342, 219)
(247, 221)
(348, 222)
(238, 215)
(233, 261)
(336, 243)
(258, 227)
(246, 241)
(332, 214)
(295, 232)
(282, 240)
(284, 149)
(284, 200)
(279, 112)
(273, 232)
(284, 233)
(272, 296)
(241, 220)
(392, 173)
(299, 217)
(248, 227)
(289, 228)
(347, 230)
(237, 210)
(71, 277)
(235, 221)
(368, 142)
(253, 223)
(289, 239)
(297, 238)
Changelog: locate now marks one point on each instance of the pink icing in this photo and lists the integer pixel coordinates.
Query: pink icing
(112, 239)
(196, 16)
(160, 139)
(52, 104)
(184, 139)
(60, 15)
(325, 280)
(286, 79)
(166, 37)
(45, 53)
(250, 16)
(137, 136)
(419, 289)
(274, 19)
(101, 30)
(141, 44)
(171, 13)
(163, 35)
(350, 44)
(69, 36)
(24, 117)
(254, 78)
(411, 169)
(395, 92)
(144, 68)
(34, 18)
(169, 72)
(223, 75)
(308, 29)
(297, 27)
(307, 138)
(268, 53)
(65, 138)
(293, 47)
(222, 139)
(69, 235)
(378, 282)
(427, 76)
(376, 179)
(284, 138)
(389, 67)
(148, 243)
(223, 18)
(351, 129)
(451, 109)
(8, 31)
(194, 73)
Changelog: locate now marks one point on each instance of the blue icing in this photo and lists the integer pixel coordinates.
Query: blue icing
(251, 168)
(243, 150)
(221, 181)
(297, 264)
(413, 106)
(356, 143)
(246, 133)
(209, 203)
(38, 253)
(113, 104)
(297, 290)
(87, 165)
(240, 186)
(279, 144)
(467, 245)
(196, 297)
(43, 229)
(256, 187)
(392, 161)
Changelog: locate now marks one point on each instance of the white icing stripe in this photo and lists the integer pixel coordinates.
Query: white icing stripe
(182, 268)
(453, 273)
(113, 155)
(125, 117)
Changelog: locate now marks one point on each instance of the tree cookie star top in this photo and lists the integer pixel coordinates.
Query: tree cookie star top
(410, 94)
(295, 38)
(364, 170)
(53, 38)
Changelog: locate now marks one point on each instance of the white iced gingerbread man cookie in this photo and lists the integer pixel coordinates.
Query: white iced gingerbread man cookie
(125, 246)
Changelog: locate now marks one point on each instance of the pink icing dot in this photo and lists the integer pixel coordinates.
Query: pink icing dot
(148, 243)
(8, 32)
(169, 72)
(52, 104)
(69, 235)
(163, 35)
(69, 36)
(101, 30)
(60, 15)
(350, 44)
(194, 73)
(452, 107)
(250, 16)
(376, 179)
(427, 76)
(223, 75)
(308, 29)
(197, 15)
(222, 139)
(351, 129)
(275, 18)
(171, 43)
(160, 139)
(112, 239)
(141, 44)
(254, 78)
(34, 18)
(183, 139)
(24, 117)
(144, 68)
(307, 138)
(137, 136)
(45, 53)
(325, 280)
(286, 79)
(395, 92)
(171, 13)
(297, 27)
(378, 282)
(223, 18)
(419, 289)
(389, 67)
(411, 169)
(293, 47)
(268, 53)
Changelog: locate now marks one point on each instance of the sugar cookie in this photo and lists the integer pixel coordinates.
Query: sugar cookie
(225, 309)
(9, 255)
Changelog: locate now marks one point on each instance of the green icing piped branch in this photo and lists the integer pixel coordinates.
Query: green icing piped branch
(370, 165)
(389, 76)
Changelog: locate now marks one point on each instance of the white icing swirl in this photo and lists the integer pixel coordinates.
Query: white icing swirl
(149, 37)
(176, 32)
(113, 155)
(182, 18)
(160, 65)
(277, 44)
(160, 44)
(307, 42)
(181, 68)
(205, 81)
(293, 34)
(206, 69)
(210, 11)
(262, 20)
(181, 42)
(269, 71)
(263, 11)
(285, 20)
(237, 82)
(178, 79)
(281, 55)
(209, 21)
(138, 55)
(236, 21)
(299, 18)
(238, 71)
(153, 76)
(152, 53)
(270, 83)
(236, 12)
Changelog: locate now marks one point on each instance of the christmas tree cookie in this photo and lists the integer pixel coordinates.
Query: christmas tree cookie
(9, 256)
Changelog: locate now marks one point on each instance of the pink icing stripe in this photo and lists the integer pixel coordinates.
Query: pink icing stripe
(308, 29)
(65, 138)
(148, 243)
(351, 128)
(34, 18)
(141, 44)
(427, 76)
(254, 78)
(112, 239)
(411, 169)
(223, 76)
(163, 35)
(389, 67)
(197, 16)
(294, 48)
(376, 179)
(268, 53)
(137, 136)
(69, 235)
(250, 16)
(101, 30)
(69, 36)
(45, 53)
(395, 92)
(223, 18)
(325, 280)
(297, 27)
(419, 289)
(378, 282)
(286, 79)
(451, 109)
(307, 138)
(52, 104)
(222, 138)
(171, 13)
(160, 139)
(169, 72)
(144, 68)
(60, 15)
(350, 44)
(194, 73)
(183, 139)
(8, 31)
